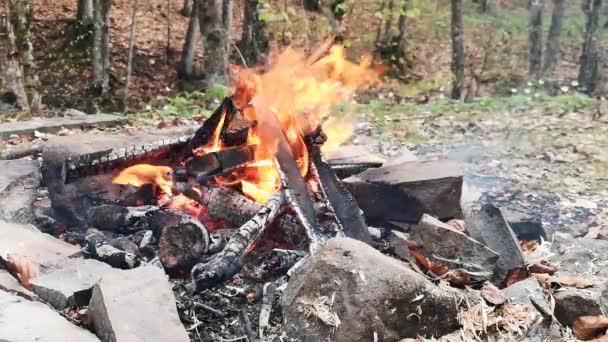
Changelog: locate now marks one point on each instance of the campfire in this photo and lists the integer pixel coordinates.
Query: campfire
(256, 162)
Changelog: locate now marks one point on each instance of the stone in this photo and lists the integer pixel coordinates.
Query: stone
(71, 284)
(528, 292)
(348, 291)
(52, 125)
(438, 241)
(406, 191)
(135, 305)
(10, 284)
(525, 226)
(399, 244)
(24, 320)
(403, 156)
(19, 180)
(353, 154)
(584, 257)
(571, 303)
(27, 241)
(488, 226)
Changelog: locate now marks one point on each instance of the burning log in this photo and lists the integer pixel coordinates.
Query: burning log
(183, 244)
(236, 131)
(214, 163)
(224, 265)
(100, 248)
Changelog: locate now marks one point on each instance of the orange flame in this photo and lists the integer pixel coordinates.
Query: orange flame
(140, 174)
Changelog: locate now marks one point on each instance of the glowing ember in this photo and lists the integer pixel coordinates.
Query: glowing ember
(140, 174)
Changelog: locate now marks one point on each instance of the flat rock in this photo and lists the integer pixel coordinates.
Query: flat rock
(526, 227)
(10, 284)
(406, 191)
(19, 180)
(527, 292)
(571, 303)
(399, 242)
(52, 125)
(135, 305)
(488, 226)
(26, 240)
(348, 291)
(24, 320)
(403, 156)
(454, 249)
(353, 154)
(71, 284)
(584, 257)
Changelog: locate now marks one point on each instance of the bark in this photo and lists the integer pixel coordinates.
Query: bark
(224, 265)
(100, 248)
(254, 40)
(483, 5)
(131, 45)
(11, 71)
(214, 40)
(21, 20)
(588, 76)
(227, 9)
(186, 10)
(552, 52)
(457, 66)
(387, 34)
(385, 24)
(84, 12)
(535, 37)
(101, 47)
(183, 244)
(186, 69)
(402, 41)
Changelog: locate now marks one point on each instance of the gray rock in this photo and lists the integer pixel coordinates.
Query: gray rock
(456, 250)
(71, 284)
(488, 226)
(352, 154)
(28, 241)
(406, 191)
(24, 320)
(571, 303)
(51, 125)
(403, 156)
(529, 293)
(400, 245)
(135, 305)
(349, 291)
(583, 257)
(526, 227)
(10, 284)
(19, 180)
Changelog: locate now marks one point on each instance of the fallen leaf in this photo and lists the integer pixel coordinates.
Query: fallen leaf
(588, 327)
(23, 268)
(573, 281)
(436, 268)
(515, 275)
(543, 279)
(542, 268)
(492, 294)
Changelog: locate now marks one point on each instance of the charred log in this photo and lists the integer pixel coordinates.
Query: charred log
(99, 247)
(236, 131)
(120, 219)
(214, 163)
(224, 265)
(281, 260)
(182, 245)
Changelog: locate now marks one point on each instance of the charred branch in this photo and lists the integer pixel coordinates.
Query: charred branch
(182, 245)
(99, 247)
(120, 219)
(224, 265)
(214, 163)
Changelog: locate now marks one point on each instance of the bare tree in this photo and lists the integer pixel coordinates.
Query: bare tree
(131, 46)
(227, 9)
(254, 40)
(483, 5)
(588, 76)
(84, 11)
(384, 33)
(457, 66)
(21, 19)
(12, 85)
(101, 47)
(214, 40)
(552, 52)
(186, 10)
(535, 37)
(186, 67)
(402, 40)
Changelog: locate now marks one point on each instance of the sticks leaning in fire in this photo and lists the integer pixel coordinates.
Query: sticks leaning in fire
(202, 168)
(99, 247)
(224, 265)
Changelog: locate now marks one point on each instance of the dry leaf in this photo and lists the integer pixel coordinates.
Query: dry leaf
(572, 281)
(515, 275)
(588, 327)
(434, 267)
(492, 294)
(542, 268)
(22, 267)
(543, 279)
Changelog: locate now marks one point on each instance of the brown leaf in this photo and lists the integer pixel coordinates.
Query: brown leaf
(573, 281)
(542, 268)
(528, 246)
(515, 275)
(434, 267)
(588, 327)
(543, 279)
(492, 294)
(23, 268)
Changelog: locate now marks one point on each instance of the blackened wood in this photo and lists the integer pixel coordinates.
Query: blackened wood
(225, 160)
(228, 205)
(109, 160)
(347, 170)
(100, 248)
(348, 215)
(120, 219)
(236, 130)
(182, 245)
(281, 260)
(203, 135)
(224, 265)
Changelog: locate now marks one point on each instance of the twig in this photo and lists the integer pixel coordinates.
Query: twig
(247, 324)
(235, 339)
(131, 44)
(240, 54)
(210, 309)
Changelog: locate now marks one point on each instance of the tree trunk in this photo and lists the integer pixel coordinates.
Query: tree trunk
(402, 41)
(227, 9)
(588, 76)
(535, 11)
(214, 41)
(101, 47)
(11, 74)
(20, 20)
(457, 66)
(186, 68)
(84, 12)
(483, 6)
(552, 52)
(131, 46)
(254, 40)
(186, 10)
